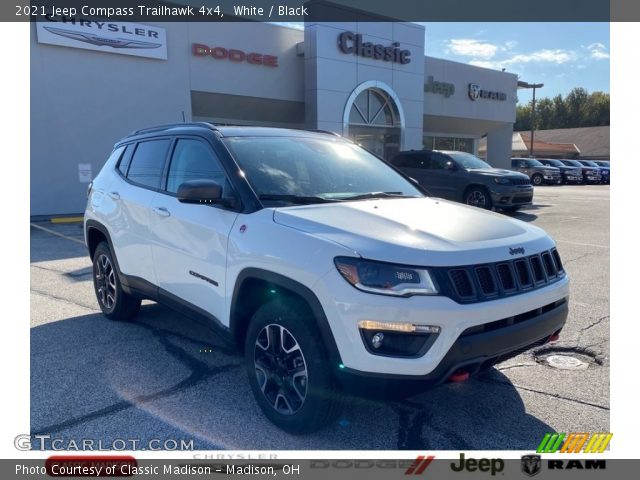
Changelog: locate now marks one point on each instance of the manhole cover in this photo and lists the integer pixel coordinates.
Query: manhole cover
(566, 362)
(567, 358)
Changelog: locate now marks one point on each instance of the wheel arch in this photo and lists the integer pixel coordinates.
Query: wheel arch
(255, 286)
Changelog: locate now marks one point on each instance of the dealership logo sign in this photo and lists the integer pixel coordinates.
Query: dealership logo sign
(476, 92)
(352, 43)
(112, 37)
(95, 39)
(442, 88)
(234, 55)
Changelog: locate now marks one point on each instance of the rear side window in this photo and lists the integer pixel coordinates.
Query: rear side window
(148, 162)
(415, 161)
(125, 160)
(193, 160)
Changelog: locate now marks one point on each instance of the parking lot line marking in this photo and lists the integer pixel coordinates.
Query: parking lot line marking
(583, 244)
(57, 234)
(67, 220)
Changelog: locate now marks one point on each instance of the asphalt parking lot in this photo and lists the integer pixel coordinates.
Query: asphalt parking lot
(165, 377)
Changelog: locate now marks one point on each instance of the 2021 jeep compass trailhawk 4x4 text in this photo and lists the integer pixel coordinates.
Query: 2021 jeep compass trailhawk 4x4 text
(325, 265)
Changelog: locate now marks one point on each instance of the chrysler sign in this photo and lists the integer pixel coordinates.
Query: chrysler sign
(112, 37)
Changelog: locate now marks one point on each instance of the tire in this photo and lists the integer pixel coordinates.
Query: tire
(293, 385)
(113, 301)
(478, 197)
(537, 179)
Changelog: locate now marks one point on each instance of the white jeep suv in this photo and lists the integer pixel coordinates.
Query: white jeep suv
(328, 267)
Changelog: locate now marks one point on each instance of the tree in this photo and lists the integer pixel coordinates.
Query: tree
(577, 109)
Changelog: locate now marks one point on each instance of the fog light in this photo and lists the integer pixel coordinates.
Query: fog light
(377, 339)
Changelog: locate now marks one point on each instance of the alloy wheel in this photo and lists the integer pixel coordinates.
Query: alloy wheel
(280, 369)
(477, 199)
(106, 281)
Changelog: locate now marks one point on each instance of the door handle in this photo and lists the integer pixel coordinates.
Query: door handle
(114, 195)
(163, 212)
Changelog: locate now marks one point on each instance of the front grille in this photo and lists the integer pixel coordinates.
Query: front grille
(461, 282)
(521, 181)
(478, 283)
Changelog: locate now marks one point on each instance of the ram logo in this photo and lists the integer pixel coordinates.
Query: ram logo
(474, 91)
(516, 251)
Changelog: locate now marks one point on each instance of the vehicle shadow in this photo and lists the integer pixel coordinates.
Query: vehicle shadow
(166, 377)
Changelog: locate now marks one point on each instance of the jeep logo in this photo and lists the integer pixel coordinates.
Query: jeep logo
(516, 251)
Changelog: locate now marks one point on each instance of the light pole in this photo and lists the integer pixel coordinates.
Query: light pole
(522, 84)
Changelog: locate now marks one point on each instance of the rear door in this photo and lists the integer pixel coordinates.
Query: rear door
(189, 241)
(445, 180)
(416, 165)
(141, 172)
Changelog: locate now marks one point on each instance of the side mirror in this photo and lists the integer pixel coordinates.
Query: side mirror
(451, 166)
(200, 191)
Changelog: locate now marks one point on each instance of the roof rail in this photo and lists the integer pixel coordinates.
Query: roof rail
(328, 132)
(167, 126)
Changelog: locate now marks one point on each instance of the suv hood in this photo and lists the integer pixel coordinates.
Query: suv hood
(498, 172)
(416, 231)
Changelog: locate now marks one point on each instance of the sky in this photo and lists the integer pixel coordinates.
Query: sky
(560, 55)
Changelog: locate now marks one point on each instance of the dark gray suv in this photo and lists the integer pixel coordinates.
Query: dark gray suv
(463, 177)
(535, 170)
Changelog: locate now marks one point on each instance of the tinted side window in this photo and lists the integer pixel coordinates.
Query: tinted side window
(148, 162)
(417, 161)
(126, 159)
(193, 160)
(439, 161)
(400, 160)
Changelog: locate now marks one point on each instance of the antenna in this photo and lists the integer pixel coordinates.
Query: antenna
(183, 120)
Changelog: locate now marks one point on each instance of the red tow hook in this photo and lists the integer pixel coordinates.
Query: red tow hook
(554, 338)
(459, 376)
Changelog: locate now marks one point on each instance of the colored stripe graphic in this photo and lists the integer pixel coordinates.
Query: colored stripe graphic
(574, 442)
(419, 465)
(551, 443)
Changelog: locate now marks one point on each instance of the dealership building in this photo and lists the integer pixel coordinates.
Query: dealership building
(93, 82)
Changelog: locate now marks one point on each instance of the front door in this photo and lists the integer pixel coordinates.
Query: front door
(189, 241)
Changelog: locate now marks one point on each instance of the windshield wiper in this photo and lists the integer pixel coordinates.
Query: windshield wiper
(364, 196)
(297, 199)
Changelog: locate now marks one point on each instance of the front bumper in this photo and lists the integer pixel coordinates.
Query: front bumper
(573, 179)
(345, 306)
(552, 178)
(475, 349)
(512, 196)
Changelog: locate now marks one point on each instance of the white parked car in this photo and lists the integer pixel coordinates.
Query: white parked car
(329, 268)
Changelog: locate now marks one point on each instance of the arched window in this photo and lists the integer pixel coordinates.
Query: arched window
(374, 107)
(373, 118)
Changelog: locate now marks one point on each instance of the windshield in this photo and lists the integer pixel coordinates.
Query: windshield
(301, 170)
(603, 164)
(589, 163)
(533, 163)
(554, 163)
(468, 161)
(573, 163)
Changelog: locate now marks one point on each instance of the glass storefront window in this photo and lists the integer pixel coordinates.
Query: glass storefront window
(448, 143)
(445, 143)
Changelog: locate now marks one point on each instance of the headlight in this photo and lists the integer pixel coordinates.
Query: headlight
(502, 181)
(385, 278)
